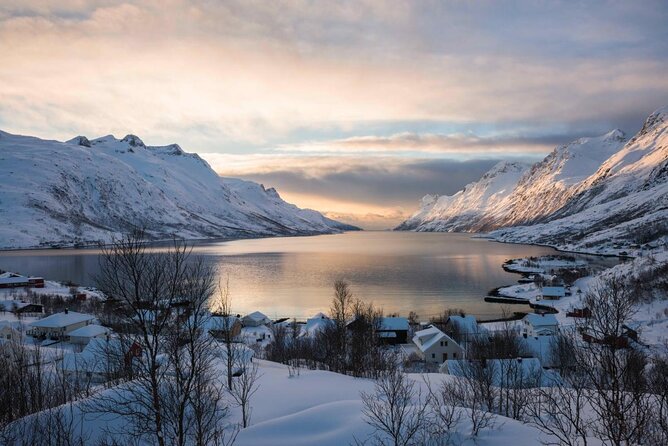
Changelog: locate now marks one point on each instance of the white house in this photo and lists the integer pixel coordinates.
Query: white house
(434, 346)
(84, 334)
(541, 348)
(59, 325)
(100, 360)
(220, 326)
(316, 324)
(255, 319)
(540, 324)
(553, 292)
(10, 330)
(13, 280)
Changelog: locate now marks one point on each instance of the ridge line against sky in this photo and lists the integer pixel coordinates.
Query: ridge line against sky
(357, 109)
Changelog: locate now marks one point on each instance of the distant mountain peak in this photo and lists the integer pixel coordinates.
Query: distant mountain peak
(134, 141)
(79, 141)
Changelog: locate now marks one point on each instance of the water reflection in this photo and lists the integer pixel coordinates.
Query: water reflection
(422, 272)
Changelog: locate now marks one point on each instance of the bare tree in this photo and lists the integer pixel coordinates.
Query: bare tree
(395, 410)
(222, 308)
(243, 389)
(341, 312)
(164, 298)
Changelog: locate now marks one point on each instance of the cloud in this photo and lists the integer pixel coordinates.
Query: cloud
(456, 143)
(257, 74)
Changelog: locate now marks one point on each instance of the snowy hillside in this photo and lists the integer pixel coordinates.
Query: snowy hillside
(466, 209)
(594, 190)
(87, 190)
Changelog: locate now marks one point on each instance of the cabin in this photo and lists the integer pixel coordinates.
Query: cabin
(435, 347)
(21, 308)
(36, 282)
(316, 324)
(101, 360)
(393, 330)
(255, 319)
(539, 325)
(13, 280)
(553, 292)
(59, 325)
(10, 330)
(83, 335)
(223, 327)
(579, 313)
(541, 348)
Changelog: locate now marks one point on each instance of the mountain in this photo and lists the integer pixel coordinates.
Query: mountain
(465, 210)
(87, 190)
(586, 194)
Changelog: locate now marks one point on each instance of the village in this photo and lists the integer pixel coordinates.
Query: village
(77, 340)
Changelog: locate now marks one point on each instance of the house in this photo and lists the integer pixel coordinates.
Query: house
(255, 319)
(553, 292)
(13, 280)
(36, 282)
(102, 359)
(19, 307)
(541, 348)
(316, 324)
(435, 347)
(515, 372)
(540, 325)
(393, 330)
(220, 327)
(83, 335)
(259, 334)
(10, 330)
(59, 325)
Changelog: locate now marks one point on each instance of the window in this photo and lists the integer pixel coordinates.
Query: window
(446, 343)
(454, 355)
(433, 356)
(445, 357)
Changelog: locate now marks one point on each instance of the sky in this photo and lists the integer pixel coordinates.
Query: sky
(356, 109)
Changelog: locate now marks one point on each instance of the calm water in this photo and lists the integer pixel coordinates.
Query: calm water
(293, 276)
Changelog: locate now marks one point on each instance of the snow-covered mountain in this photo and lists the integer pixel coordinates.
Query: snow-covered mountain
(87, 190)
(465, 210)
(594, 191)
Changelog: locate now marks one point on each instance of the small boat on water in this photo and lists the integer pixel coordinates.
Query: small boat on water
(527, 279)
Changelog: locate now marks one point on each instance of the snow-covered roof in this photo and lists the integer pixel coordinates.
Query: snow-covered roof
(540, 347)
(466, 324)
(317, 324)
(8, 305)
(89, 331)
(428, 337)
(394, 323)
(541, 320)
(256, 316)
(63, 319)
(14, 279)
(558, 291)
(9, 275)
(320, 316)
(95, 356)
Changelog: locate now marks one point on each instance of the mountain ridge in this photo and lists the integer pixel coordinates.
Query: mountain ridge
(595, 190)
(87, 190)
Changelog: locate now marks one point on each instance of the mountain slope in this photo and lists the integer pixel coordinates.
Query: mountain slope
(584, 194)
(465, 210)
(625, 202)
(86, 190)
